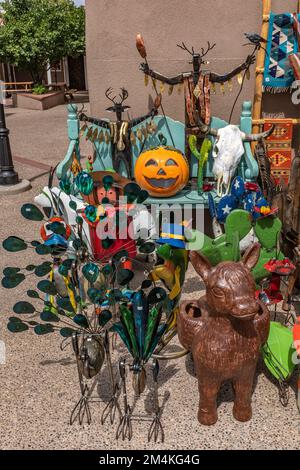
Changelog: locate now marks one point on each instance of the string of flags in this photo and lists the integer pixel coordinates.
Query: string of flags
(96, 134)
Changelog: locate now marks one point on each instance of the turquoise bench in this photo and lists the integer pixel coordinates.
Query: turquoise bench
(248, 167)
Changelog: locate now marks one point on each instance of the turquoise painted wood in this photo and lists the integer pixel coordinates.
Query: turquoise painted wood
(248, 167)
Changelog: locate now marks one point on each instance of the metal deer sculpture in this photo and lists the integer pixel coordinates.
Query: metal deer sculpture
(120, 130)
(224, 330)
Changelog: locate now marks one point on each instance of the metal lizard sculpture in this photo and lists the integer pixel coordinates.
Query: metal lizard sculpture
(120, 130)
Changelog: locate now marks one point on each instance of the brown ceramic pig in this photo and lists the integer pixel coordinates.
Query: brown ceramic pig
(224, 330)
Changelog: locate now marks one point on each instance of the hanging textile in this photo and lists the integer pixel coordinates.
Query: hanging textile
(282, 41)
(279, 148)
(197, 99)
(295, 58)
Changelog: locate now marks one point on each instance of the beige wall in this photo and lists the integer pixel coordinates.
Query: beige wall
(113, 60)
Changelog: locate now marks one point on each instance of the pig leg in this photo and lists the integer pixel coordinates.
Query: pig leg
(243, 384)
(208, 390)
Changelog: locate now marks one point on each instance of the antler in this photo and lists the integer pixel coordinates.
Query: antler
(123, 95)
(209, 48)
(184, 48)
(108, 93)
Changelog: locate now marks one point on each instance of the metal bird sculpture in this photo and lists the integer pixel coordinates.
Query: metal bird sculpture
(256, 40)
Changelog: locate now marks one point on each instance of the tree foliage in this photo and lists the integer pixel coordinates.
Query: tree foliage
(38, 32)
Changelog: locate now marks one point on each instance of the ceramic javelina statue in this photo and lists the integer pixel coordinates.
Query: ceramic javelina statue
(224, 330)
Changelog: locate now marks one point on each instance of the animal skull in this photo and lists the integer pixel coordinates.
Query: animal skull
(227, 153)
(228, 150)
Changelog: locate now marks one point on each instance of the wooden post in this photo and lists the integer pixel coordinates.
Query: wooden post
(259, 67)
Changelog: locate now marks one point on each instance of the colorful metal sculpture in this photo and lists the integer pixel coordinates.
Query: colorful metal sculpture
(224, 330)
(119, 134)
(278, 357)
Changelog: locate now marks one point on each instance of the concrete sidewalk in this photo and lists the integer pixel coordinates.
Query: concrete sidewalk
(39, 385)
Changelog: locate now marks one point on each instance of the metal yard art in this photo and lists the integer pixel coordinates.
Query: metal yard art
(110, 279)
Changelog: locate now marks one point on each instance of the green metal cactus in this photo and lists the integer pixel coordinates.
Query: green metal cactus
(226, 247)
(201, 156)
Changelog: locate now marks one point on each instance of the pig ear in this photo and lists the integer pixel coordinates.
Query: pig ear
(251, 256)
(201, 264)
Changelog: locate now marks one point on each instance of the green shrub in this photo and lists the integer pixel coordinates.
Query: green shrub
(39, 90)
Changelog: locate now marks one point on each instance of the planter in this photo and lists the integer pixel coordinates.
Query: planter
(38, 102)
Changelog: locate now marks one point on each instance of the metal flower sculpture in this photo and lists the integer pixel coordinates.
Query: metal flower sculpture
(86, 294)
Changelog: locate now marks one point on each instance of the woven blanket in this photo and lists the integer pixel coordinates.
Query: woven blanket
(279, 148)
(282, 41)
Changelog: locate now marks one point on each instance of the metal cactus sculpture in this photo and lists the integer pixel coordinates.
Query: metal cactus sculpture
(202, 157)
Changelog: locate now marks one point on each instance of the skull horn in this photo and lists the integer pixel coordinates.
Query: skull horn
(204, 129)
(260, 136)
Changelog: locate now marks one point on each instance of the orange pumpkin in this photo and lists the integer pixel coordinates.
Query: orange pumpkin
(162, 171)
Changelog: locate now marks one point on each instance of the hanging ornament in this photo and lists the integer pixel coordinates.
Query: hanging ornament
(146, 79)
(144, 132)
(179, 89)
(230, 85)
(154, 83)
(132, 138)
(213, 87)
(161, 87)
(94, 135)
(83, 129)
(239, 78)
(222, 88)
(107, 137)
(148, 128)
(170, 90)
(89, 133)
(248, 74)
(139, 135)
(101, 136)
(153, 126)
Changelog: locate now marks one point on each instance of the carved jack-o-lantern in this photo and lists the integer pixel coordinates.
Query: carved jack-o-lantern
(162, 171)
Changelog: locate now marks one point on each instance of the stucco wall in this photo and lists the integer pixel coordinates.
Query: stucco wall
(113, 60)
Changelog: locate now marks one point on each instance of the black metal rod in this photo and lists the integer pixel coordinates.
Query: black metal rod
(8, 176)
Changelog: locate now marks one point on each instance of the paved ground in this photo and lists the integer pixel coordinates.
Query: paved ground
(39, 382)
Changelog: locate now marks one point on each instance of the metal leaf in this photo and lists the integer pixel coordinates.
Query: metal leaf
(31, 212)
(23, 307)
(43, 329)
(47, 287)
(14, 244)
(11, 282)
(17, 327)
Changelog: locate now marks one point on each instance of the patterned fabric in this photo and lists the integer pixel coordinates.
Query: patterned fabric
(279, 148)
(197, 99)
(282, 41)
